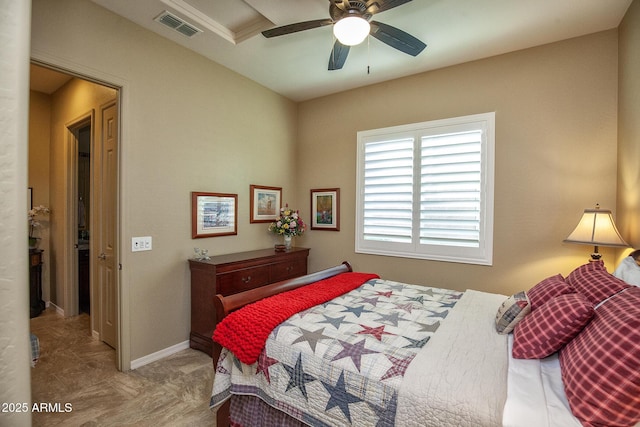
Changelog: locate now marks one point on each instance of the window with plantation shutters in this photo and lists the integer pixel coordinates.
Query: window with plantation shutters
(426, 190)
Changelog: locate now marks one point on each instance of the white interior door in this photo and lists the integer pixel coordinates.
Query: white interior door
(107, 264)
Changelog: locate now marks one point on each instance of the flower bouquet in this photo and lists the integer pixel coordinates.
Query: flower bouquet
(289, 224)
(34, 223)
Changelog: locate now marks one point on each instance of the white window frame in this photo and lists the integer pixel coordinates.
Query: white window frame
(483, 253)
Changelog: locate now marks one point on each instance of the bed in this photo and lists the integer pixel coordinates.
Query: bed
(339, 347)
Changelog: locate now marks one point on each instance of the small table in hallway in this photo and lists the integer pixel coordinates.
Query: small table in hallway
(36, 304)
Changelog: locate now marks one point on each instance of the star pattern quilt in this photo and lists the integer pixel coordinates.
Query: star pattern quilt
(341, 362)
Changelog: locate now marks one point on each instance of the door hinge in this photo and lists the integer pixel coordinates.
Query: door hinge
(119, 266)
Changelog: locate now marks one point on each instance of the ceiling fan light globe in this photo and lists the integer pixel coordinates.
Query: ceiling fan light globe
(351, 30)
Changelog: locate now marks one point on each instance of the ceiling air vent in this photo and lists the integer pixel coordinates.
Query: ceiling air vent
(177, 24)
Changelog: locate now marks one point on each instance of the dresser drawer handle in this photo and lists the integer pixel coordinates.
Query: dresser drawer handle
(246, 279)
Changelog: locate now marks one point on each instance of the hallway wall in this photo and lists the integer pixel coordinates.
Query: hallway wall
(39, 158)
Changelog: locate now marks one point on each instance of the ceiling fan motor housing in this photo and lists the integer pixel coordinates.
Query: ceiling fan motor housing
(341, 9)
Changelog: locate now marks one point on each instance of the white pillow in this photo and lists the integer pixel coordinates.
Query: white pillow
(629, 271)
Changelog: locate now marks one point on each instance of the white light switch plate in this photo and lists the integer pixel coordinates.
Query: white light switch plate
(141, 244)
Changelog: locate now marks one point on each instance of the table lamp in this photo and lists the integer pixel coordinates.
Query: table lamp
(596, 227)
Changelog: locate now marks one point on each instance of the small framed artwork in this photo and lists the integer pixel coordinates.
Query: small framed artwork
(325, 209)
(213, 214)
(265, 203)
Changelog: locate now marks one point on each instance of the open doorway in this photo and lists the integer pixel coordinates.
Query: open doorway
(83, 180)
(73, 126)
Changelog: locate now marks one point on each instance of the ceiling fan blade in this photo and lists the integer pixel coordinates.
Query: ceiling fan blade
(338, 56)
(377, 6)
(294, 28)
(396, 38)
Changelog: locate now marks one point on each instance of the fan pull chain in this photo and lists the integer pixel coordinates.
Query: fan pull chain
(368, 54)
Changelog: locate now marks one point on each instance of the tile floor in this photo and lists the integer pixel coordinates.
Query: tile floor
(76, 369)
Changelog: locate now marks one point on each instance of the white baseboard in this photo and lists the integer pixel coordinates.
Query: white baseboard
(59, 310)
(145, 360)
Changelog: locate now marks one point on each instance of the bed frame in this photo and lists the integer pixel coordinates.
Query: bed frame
(226, 304)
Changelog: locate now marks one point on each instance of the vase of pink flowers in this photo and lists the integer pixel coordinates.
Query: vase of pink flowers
(288, 225)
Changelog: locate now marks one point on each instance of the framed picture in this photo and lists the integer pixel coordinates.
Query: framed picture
(325, 209)
(213, 214)
(265, 203)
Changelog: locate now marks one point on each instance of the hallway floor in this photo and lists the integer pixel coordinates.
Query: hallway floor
(78, 370)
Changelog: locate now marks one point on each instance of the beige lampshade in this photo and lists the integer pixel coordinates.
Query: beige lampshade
(596, 227)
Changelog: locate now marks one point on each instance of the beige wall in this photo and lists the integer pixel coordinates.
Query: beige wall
(556, 133)
(188, 124)
(39, 154)
(629, 126)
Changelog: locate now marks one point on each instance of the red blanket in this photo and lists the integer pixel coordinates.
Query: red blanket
(245, 331)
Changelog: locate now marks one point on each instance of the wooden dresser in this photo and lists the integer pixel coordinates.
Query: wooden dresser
(233, 273)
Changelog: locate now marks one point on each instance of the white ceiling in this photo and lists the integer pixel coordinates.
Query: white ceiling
(295, 65)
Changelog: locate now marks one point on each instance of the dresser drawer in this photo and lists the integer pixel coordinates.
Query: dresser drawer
(242, 280)
(288, 269)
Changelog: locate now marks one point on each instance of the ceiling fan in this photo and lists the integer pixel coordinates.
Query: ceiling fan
(343, 12)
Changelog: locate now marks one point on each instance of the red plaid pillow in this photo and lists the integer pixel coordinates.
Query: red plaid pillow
(547, 289)
(601, 366)
(551, 326)
(594, 282)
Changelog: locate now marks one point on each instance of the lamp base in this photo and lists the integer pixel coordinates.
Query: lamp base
(595, 257)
